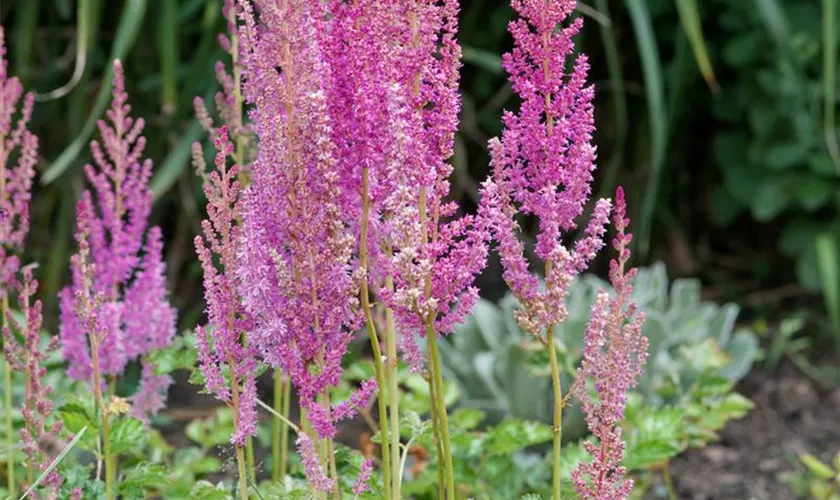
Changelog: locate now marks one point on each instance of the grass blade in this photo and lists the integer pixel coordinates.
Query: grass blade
(775, 21)
(829, 16)
(618, 98)
(652, 72)
(127, 30)
(168, 46)
(55, 462)
(26, 25)
(82, 39)
(173, 166)
(483, 59)
(690, 20)
(828, 262)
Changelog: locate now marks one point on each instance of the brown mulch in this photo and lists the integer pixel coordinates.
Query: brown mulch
(793, 415)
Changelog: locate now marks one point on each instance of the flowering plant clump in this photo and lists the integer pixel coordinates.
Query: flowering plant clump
(328, 212)
(116, 311)
(542, 167)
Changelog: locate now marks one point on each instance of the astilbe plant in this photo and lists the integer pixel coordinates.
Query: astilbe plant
(542, 168)
(296, 267)
(18, 155)
(117, 311)
(26, 353)
(220, 345)
(393, 102)
(614, 355)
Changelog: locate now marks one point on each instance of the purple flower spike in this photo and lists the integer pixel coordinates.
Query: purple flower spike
(17, 142)
(119, 283)
(614, 355)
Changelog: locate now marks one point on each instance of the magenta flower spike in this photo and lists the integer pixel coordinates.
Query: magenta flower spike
(18, 155)
(119, 286)
(220, 343)
(543, 164)
(542, 168)
(614, 355)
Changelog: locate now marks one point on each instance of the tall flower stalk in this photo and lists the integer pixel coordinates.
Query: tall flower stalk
(433, 254)
(229, 103)
(614, 355)
(301, 286)
(18, 155)
(542, 168)
(221, 345)
(117, 311)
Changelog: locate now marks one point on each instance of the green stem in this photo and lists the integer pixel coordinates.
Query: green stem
(249, 456)
(275, 426)
(7, 391)
(557, 428)
(443, 419)
(284, 429)
(393, 394)
(105, 425)
(10, 432)
(669, 483)
(243, 474)
(433, 412)
(374, 339)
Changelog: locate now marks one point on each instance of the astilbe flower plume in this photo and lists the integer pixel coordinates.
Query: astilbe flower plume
(220, 344)
(18, 155)
(296, 267)
(28, 356)
(228, 100)
(543, 164)
(614, 354)
(433, 253)
(119, 287)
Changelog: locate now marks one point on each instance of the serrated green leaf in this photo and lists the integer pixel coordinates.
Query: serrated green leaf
(127, 434)
(467, 418)
(513, 435)
(204, 490)
(144, 476)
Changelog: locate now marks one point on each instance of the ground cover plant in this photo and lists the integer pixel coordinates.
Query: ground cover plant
(344, 350)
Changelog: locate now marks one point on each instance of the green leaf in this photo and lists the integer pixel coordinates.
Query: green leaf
(817, 467)
(75, 417)
(144, 476)
(690, 19)
(467, 418)
(784, 155)
(127, 434)
(204, 490)
(654, 437)
(828, 259)
(176, 162)
(489, 61)
(743, 351)
(513, 435)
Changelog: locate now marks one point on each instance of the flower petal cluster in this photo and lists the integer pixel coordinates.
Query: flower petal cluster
(614, 355)
(543, 164)
(18, 155)
(119, 285)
